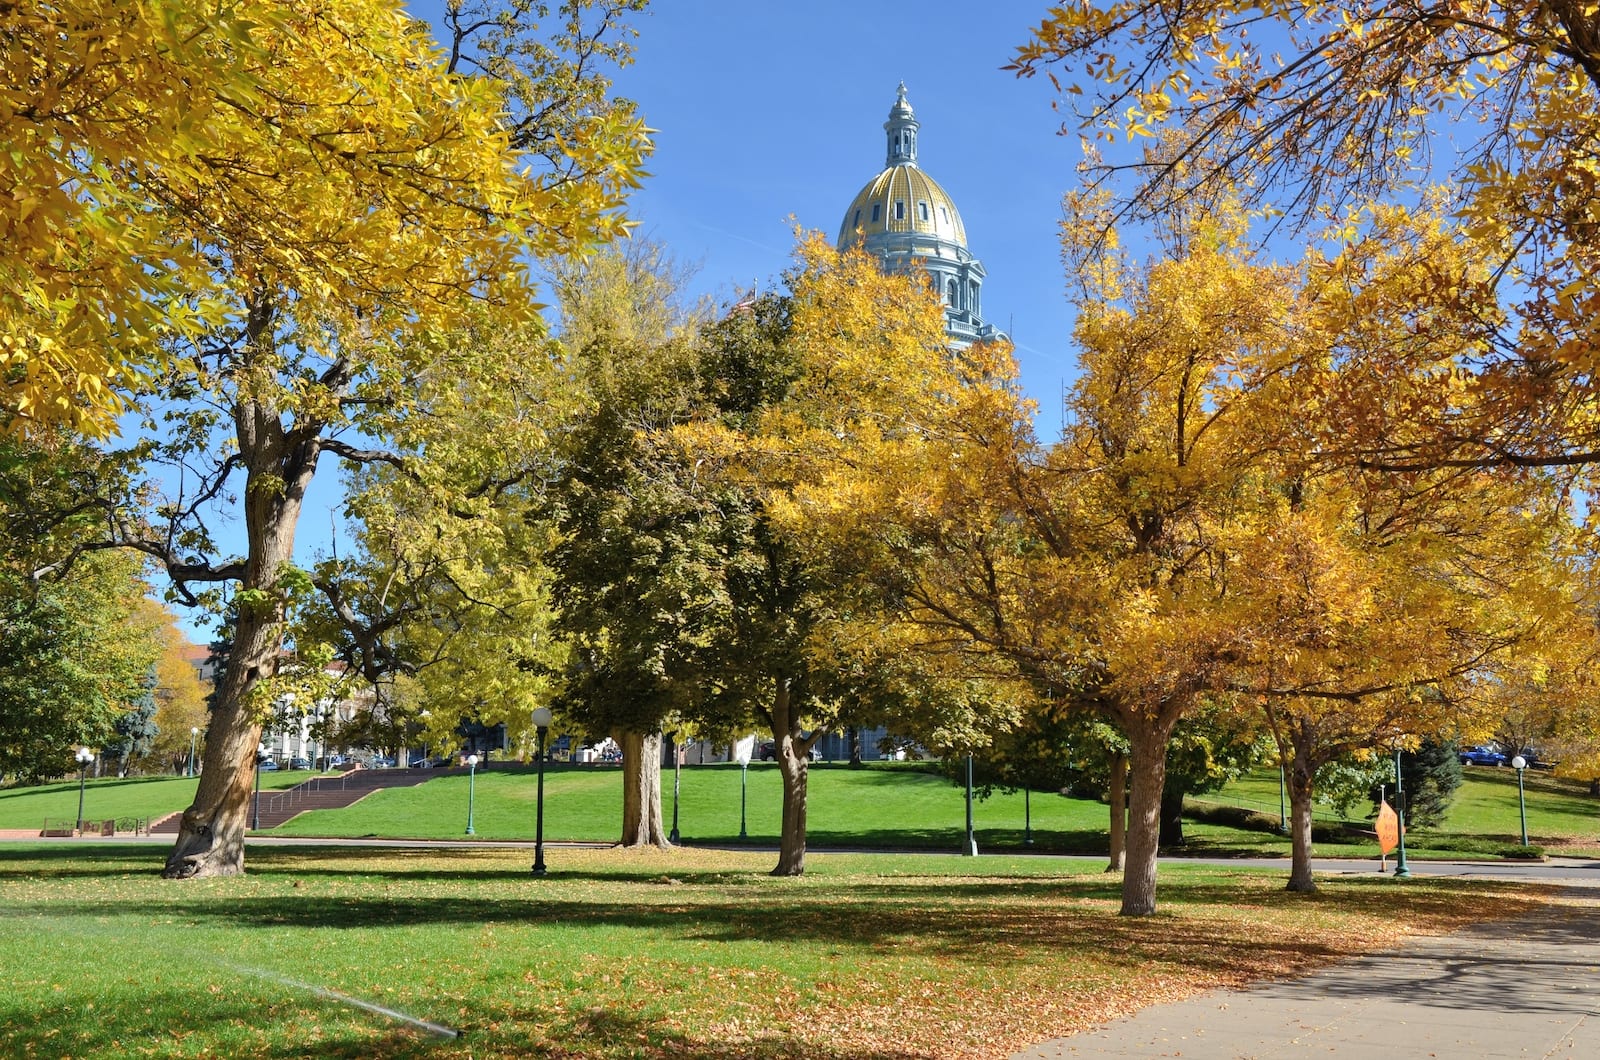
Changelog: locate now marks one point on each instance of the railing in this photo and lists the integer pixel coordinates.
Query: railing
(300, 792)
(60, 827)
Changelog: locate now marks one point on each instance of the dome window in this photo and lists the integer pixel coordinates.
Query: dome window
(857, 222)
(899, 209)
(922, 208)
(875, 209)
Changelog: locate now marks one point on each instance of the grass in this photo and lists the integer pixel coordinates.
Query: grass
(883, 807)
(644, 954)
(886, 806)
(111, 797)
(1484, 819)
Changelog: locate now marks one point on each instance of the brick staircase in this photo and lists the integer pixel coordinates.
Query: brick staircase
(322, 793)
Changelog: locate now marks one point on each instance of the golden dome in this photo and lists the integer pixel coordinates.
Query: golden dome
(902, 199)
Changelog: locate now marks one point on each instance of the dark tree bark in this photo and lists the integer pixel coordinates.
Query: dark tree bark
(1171, 816)
(1119, 811)
(855, 748)
(641, 789)
(1300, 780)
(1148, 745)
(794, 762)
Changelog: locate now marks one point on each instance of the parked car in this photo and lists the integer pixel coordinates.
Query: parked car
(768, 752)
(335, 761)
(1483, 756)
(381, 762)
(299, 763)
(268, 766)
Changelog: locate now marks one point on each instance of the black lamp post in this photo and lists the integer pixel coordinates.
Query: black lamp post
(84, 757)
(971, 849)
(677, 778)
(541, 723)
(194, 734)
(1401, 871)
(1519, 764)
(1027, 817)
(255, 815)
(741, 753)
(472, 779)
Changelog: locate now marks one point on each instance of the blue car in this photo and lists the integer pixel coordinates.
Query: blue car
(1482, 756)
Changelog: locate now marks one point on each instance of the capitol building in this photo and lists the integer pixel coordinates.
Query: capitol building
(908, 222)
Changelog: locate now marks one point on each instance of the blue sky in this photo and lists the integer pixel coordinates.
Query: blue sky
(771, 114)
(767, 111)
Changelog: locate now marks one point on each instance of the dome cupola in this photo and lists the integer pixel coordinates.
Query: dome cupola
(907, 221)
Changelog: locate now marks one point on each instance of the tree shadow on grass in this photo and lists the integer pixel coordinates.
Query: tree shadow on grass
(1003, 921)
(218, 1016)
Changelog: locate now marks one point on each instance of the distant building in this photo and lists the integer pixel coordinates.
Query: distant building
(908, 222)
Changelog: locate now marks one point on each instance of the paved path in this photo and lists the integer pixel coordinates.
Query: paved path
(1523, 988)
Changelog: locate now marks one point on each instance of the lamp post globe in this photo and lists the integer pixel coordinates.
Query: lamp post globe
(472, 779)
(1520, 763)
(541, 723)
(84, 756)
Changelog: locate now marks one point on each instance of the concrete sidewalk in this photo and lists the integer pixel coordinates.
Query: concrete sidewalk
(1523, 988)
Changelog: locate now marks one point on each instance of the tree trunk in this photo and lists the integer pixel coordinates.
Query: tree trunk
(1119, 810)
(794, 760)
(211, 831)
(641, 789)
(1147, 740)
(1171, 816)
(855, 747)
(1301, 777)
(280, 463)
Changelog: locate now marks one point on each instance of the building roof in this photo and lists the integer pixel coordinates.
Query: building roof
(902, 198)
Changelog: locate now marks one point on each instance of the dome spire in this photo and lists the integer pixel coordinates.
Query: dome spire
(902, 129)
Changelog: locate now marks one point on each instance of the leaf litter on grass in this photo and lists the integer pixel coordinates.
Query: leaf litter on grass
(865, 957)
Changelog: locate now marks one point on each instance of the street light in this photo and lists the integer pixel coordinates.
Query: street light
(472, 780)
(1027, 817)
(971, 849)
(1401, 871)
(194, 734)
(741, 753)
(255, 815)
(541, 723)
(1519, 764)
(84, 757)
(677, 778)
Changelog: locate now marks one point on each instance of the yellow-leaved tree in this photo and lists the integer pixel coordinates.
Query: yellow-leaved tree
(365, 193)
(1320, 112)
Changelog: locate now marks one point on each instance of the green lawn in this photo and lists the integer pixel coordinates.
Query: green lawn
(146, 797)
(1483, 818)
(887, 806)
(880, 807)
(346, 953)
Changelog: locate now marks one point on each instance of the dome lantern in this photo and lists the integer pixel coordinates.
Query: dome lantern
(902, 129)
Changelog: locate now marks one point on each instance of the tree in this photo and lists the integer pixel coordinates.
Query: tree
(397, 210)
(73, 656)
(1099, 568)
(135, 727)
(1320, 112)
(180, 696)
(823, 400)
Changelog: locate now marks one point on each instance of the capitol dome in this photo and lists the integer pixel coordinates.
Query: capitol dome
(907, 221)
